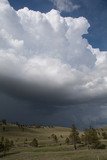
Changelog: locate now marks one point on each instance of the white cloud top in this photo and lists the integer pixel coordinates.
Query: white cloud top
(49, 54)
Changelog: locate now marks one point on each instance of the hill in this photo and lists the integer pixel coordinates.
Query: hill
(48, 148)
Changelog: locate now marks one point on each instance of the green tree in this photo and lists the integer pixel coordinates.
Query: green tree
(5, 145)
(4, 128)
(4, 121)
(74, 136)
(91, 138)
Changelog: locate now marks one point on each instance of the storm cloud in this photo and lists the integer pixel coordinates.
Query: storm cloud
(44, 59)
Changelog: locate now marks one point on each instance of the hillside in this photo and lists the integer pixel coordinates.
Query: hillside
(47, 149)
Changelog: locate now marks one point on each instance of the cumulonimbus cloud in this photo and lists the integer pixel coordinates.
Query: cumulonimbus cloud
(44, 57)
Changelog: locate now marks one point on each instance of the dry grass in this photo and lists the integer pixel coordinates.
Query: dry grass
(47, 150)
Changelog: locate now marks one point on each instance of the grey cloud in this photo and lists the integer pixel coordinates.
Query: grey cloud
(82, 115)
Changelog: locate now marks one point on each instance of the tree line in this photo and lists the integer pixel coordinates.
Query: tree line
(89, 138)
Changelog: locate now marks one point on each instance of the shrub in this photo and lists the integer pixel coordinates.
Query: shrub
(34, 143)
(67, 141)
(54, 137)
(104, 134)
(99, 146)
(5, 145)
(61, 136)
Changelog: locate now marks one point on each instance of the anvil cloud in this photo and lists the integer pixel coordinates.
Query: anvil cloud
(44, 58)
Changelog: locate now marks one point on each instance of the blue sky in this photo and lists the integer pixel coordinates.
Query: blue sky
(95, 11)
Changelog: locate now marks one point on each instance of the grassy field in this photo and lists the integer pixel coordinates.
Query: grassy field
(48, 149)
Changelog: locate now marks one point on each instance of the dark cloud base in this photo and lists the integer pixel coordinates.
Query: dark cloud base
(28, 113)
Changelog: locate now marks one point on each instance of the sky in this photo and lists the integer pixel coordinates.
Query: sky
(53, 62)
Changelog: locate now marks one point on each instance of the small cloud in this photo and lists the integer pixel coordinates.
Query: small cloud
(65, 5)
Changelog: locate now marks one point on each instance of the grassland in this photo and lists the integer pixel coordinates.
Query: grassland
(48, 149)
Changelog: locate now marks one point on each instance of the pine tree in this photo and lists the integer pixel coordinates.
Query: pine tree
(74, 136)
(4, 122)
(91, 138)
